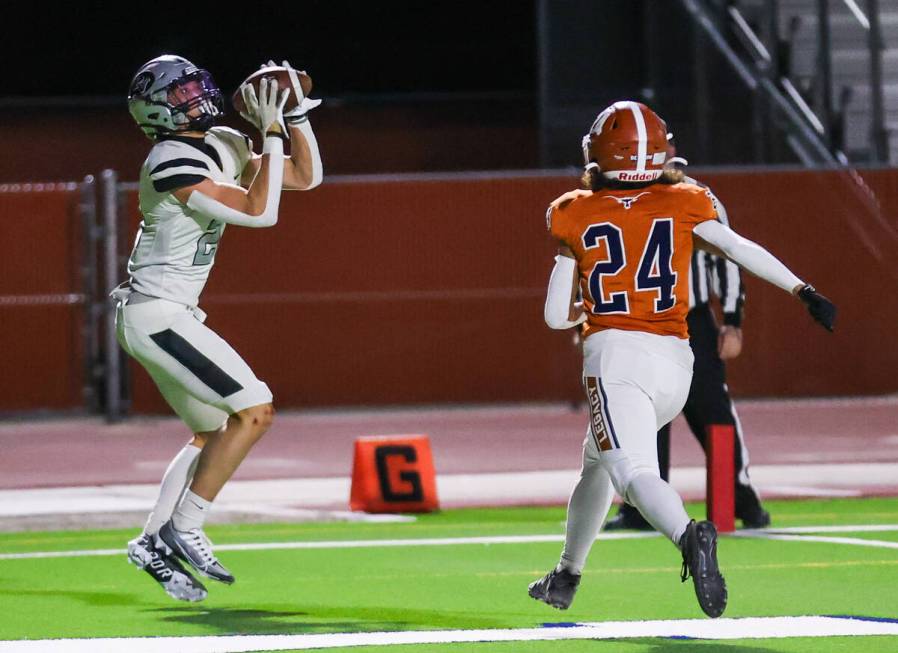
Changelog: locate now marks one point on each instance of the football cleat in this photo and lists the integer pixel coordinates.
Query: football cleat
(557, 588)
(749, 508)
(628, 518)
(699, 547)
(194, 548)
(165, 570)
(755, 517)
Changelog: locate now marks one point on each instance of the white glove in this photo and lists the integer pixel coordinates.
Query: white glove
(265, 112)
(304, 105)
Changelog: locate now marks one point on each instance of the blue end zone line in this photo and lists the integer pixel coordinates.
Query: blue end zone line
(882, 620)
(752, 628)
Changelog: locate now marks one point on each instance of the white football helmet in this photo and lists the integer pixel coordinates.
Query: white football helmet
(169, 95)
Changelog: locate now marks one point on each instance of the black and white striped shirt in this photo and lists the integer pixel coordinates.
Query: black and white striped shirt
(721, 277)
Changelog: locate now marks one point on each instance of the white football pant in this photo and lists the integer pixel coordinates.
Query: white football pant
(200, 375)
(635, 383)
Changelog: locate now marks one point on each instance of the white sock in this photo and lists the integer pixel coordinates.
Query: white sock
(586, 512)
(176, 478)
(660, 504)
(191, 512)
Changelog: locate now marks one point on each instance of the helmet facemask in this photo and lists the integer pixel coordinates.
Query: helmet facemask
(195, 101)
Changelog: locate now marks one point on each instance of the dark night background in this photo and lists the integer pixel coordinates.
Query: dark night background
(348, 47)
(408, 86)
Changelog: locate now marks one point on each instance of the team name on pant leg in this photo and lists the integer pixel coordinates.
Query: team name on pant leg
(597, 422)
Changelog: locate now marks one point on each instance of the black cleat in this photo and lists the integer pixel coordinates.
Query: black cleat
(699, 547)
(755, 518)
(557, 588)
(194, 548)
(628, 518)
(165, 570)
(749, 509)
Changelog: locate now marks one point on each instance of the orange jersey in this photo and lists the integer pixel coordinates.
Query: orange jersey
(633, 249)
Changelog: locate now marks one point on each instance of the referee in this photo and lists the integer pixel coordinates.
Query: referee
(709, 399)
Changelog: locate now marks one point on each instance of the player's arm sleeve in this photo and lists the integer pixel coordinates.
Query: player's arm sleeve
(748, 254)
(202, 203)
(177, 172)
(559, 294)
(727, 279)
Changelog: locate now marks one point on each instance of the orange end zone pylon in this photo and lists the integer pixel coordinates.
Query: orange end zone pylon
(393, 473)
(721, 488)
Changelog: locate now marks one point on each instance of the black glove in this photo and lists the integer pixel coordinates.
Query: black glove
(821, 309)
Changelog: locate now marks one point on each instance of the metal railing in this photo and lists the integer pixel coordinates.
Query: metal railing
(93, 371)
(758, 73)
(870, 22)
(111, 278)
(809, 130)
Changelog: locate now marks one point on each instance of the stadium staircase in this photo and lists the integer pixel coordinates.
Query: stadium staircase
(827, 70)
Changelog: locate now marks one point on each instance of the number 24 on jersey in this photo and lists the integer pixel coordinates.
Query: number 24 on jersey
(654, 273)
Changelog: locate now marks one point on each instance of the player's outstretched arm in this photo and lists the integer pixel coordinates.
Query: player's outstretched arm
(303, 169)
(562, 311)
(757, 260)
(257, 206)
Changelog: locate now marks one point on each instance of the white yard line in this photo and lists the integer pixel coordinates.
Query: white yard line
(342, 544)
(863, 528)
(854, 541)
(717, 629)
(794, 534)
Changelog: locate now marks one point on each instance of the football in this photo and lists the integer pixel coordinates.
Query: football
(282, 75)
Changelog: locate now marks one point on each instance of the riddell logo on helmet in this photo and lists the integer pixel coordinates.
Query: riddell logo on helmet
(637, 176)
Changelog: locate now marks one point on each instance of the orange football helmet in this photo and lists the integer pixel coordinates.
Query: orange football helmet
(627, 142)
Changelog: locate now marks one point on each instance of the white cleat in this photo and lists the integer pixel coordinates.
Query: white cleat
(165, 570)
(194, 548)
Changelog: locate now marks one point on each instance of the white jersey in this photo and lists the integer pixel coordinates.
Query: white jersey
(175, 246)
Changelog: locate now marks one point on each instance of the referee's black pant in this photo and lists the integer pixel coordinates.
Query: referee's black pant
(709, 403)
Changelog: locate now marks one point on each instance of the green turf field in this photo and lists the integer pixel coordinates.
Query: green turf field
(444, 585)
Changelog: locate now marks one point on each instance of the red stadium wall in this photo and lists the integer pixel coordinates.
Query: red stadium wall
(390, 138)
(404, 291)
(41, 307)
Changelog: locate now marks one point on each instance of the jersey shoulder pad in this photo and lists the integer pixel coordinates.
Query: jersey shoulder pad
(236, 141)
(171, 164)
(715, 201)
(700, 203)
